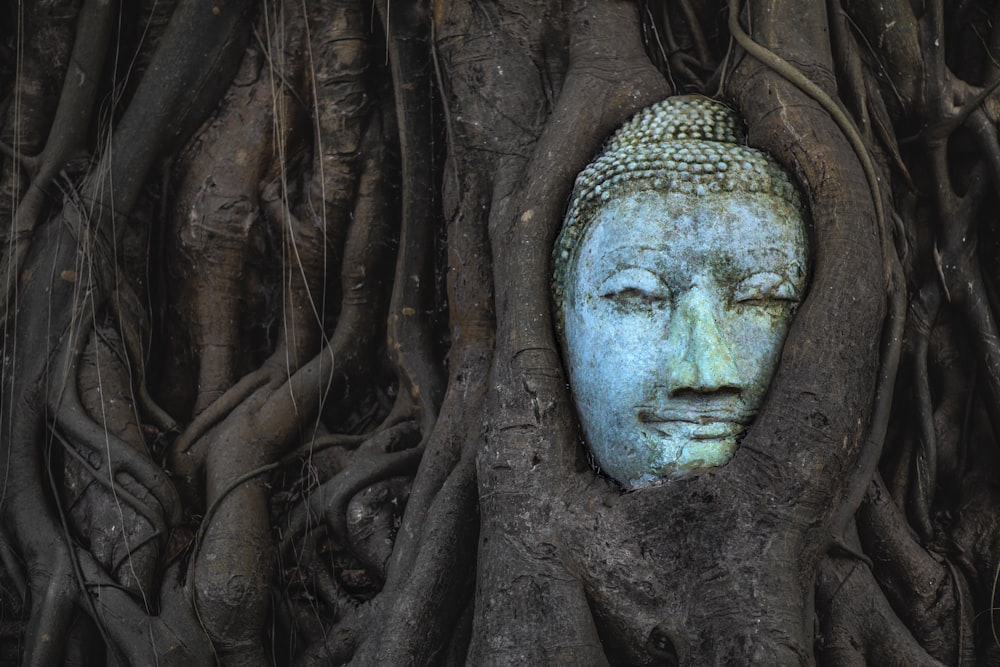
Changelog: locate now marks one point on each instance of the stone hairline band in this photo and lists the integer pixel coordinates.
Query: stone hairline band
(686, 144)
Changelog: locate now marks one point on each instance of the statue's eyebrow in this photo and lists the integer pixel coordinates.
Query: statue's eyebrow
(622, 258)
(618, 270)
(775, 258)
(631, 254)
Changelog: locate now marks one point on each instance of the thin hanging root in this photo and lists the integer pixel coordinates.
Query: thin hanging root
(303, 307)
(126, 300)
(70, 129)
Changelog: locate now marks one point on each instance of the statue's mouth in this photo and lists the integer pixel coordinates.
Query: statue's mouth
(694, 416)
(714, 430)
(696, 424)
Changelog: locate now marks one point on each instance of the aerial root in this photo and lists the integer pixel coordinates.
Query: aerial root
(918, 584)
(857, 625)
(71, 421)
(331, 498)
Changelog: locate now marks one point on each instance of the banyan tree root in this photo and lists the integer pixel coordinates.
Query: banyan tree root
(857, 626)
(354, 376)
(118, 536)
(218, 210)
(50, 23)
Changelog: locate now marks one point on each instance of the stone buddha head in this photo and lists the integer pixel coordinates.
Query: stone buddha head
(680, 263)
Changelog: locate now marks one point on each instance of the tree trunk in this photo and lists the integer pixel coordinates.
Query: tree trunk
(281, 382)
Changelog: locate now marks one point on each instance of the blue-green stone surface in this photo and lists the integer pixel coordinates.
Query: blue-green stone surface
(674, 311)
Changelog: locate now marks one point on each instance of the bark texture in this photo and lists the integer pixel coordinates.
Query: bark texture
(280, 383)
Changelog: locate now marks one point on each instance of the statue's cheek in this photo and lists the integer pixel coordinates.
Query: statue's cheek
(757, 335)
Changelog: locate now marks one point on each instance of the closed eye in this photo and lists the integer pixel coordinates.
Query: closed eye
(765, 287)
(634, 286)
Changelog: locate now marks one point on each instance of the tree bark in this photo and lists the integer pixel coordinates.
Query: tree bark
(280, 380)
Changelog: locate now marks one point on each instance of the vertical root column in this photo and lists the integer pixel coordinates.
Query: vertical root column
(313, 230)
(123, 541)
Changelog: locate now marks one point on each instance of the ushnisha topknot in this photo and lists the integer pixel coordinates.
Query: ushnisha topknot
(687, 143)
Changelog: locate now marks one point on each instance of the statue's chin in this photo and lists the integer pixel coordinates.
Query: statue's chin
(673, 449)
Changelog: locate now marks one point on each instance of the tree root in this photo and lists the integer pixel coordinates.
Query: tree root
(409, 337)
(115, 531)
(331, 498)
(531, 450)
(919, 586)
(858, 627)
(187, 454)
(924, 475)
(173, 638)
(421, 612)
(70, 128)
(70, 418)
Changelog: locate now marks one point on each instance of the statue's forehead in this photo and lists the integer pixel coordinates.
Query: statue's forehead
(651, 219)
(682, 146)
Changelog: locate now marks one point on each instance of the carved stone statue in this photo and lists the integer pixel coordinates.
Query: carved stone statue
(681, 261)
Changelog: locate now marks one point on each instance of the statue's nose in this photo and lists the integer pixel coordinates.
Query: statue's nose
(698, 357)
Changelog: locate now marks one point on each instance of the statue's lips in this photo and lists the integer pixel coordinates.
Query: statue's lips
(696, 425)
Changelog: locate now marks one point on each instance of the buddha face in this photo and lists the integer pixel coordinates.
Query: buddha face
(676, 309)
